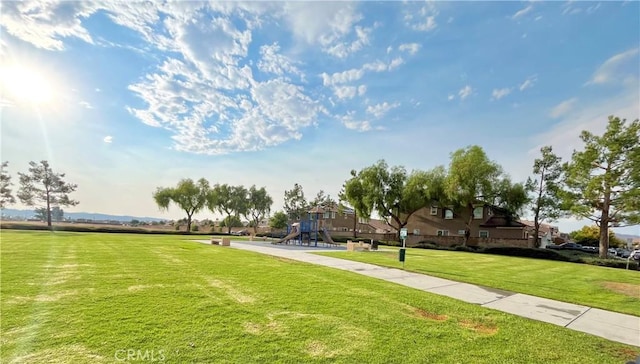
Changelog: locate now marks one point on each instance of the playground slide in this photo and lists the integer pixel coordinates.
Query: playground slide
(326, 237)
(292, 235)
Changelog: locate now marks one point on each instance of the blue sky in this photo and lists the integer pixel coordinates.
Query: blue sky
(128, 96)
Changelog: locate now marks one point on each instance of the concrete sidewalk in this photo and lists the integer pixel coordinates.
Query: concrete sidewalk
(609, 325)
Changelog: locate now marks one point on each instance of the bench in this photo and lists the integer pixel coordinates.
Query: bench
(359, 246)
(221, 242)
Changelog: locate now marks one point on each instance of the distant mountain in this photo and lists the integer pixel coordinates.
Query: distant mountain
(81, 215)
(627, 236)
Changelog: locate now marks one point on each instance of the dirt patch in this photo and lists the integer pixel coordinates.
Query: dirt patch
(319, 349)
(429, 315)
(627, 289)
(259, 329)
(485, 329)
(285, 260)
(233, 292)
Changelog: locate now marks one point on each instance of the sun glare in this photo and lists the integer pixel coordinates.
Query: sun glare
(22, 84)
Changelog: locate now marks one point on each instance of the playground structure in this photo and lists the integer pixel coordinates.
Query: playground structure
(307, 232)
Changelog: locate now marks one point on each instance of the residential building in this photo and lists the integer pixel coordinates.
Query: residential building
(345, 220)
(487, 221)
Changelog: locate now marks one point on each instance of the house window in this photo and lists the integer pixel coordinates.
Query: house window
(434, 210)
(416, 231)
(477, 212)
(333, 214)
(460, 232)
(448, 214)
(443, 232)
(484, 234)
(326, 215)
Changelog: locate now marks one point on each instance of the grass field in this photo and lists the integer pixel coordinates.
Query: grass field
(102, 298)
(606, 288)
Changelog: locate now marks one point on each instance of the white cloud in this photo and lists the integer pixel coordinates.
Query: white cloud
(563, 108)
(108, 139)
(44, 23)
(85, 104)
(358, 125)
(98, 90)
(327, 24)
(465, 92)
(424, 19)
(345, 92)
(451, 97)
(528, 83)
(612, 70)
(395, 63)
(522, 12)
(412, 48)
(564, 136)
(362, 89)
(273, 62)
(497, 94)
(379, 110)
(538, 17)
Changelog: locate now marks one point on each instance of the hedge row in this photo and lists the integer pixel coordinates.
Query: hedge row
(98, 229)
(536, 254)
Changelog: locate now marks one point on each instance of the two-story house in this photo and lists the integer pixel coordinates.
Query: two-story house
(345, 220)
(487, 221)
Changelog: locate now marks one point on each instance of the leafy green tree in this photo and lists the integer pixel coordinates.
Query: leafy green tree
(589, 235)
(231, 222)
(191, 197)
(6, 197)
(603, 181)
(41, 185)
(323, 200)
(258, 206)
(546, 204)
(392, 193)
(228, 200)
(278, 220)
(295, 204)
(473, 178)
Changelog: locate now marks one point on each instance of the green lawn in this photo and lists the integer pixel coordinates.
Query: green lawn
(98, 298)
(606, 288)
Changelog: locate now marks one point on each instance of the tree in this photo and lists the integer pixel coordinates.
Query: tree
(231, 222)
(258, 206)
(42, 185)
(473, 178)
(6, 198)
(323, 200)
(603, 181)
(546, 187)
(230, 200)
(295, 205)
(589, 235)
(391, 192)
(278, 220)
(191, 197)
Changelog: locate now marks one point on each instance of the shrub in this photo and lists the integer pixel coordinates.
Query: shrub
(195, 228)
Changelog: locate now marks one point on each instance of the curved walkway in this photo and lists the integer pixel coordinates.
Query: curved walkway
(609, 325)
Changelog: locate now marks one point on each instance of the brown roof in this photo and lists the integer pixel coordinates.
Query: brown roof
(380, 225)
(316, 210)
(501, 221)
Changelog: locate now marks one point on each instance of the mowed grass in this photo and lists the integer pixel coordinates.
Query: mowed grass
(95, 298)
(607, 288)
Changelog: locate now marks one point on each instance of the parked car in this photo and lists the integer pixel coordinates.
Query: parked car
(591, 249)
(570, 246)
(612, 251)
(240, 233)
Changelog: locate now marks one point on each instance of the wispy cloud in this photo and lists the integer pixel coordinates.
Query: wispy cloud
(379, 110)
(108, 139)
(611, 70)
(85, 104)
(411, 48)
(497, 94)
(465, 92)
(563, 108)
(528, 83)
(522, 12)
(424, 19)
